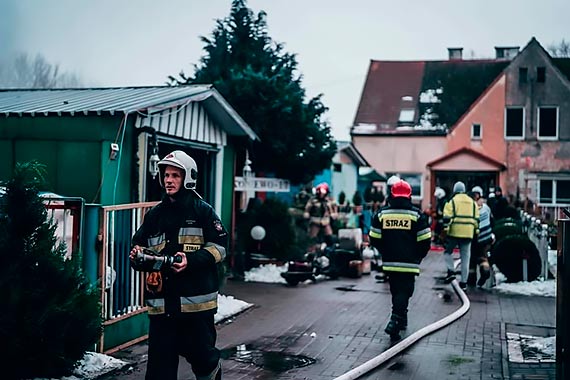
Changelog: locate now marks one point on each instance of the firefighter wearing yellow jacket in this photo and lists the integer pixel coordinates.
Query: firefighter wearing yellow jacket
(188, 241)
(401, 232)
(461, 225)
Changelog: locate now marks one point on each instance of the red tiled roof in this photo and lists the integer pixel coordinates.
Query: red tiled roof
(469, 151)
(387, 82)
(460, 83)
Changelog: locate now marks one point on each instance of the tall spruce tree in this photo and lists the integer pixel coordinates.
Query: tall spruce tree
(51, 313)
(260, 80)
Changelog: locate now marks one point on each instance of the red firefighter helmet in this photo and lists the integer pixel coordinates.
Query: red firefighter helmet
(322, 188)
(401, 189)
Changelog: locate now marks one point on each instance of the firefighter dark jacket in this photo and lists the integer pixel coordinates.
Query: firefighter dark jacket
(187, 225)
(401, 233)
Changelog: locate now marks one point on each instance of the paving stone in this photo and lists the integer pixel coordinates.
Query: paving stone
(349, 330)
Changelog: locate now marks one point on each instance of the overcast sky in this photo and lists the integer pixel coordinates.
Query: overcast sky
(141, 42)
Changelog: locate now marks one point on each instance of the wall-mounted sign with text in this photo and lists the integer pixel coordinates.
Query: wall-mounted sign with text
(276, 185)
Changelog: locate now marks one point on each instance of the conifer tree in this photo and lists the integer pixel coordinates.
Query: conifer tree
(261, 81)
(51, 314)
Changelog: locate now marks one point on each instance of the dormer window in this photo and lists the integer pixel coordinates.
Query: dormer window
(407, 115)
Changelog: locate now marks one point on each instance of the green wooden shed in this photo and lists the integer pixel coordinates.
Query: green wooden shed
(101, 145)
(98, 143)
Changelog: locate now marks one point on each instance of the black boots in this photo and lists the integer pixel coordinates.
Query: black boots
(449, 277)
(395, 325)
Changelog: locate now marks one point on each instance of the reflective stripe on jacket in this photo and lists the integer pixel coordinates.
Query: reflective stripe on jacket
(461, 217)
(402, 235)
(188, 225)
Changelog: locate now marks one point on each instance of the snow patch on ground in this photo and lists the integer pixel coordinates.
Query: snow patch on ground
(94, 364)
(535, 288)
(270, 273)
(229, 306)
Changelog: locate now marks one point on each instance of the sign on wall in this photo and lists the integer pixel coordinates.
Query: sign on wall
(276, 185)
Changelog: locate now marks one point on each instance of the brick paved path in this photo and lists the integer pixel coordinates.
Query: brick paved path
(343, 328)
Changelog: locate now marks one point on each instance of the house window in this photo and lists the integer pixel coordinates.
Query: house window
(337, 167)
(407, 115)
(546, 190)
(548, 122)
(554, 192)
(514, 122)
(523, 75)
(541, 74)
(476, 132)
(563, 192)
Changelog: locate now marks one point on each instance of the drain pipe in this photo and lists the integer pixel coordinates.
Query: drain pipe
(407, 342)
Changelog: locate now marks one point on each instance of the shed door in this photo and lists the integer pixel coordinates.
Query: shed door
(206, 172)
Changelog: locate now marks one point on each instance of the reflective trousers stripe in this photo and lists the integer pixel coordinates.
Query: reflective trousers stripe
(187, 304)
(388, 268)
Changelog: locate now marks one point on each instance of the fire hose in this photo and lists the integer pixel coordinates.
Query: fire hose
(407, 342)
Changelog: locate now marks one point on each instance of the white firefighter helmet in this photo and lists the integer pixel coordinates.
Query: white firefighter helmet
(439, 193)
(181, 160)
(477, 189)
(392, 180)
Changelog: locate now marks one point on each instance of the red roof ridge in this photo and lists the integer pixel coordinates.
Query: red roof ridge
(468, 150)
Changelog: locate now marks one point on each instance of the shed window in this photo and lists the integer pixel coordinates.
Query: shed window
(337, 167)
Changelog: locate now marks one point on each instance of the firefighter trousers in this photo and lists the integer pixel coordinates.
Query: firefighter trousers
(401, 287)
(190, 335)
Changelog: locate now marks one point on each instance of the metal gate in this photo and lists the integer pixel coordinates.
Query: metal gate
(121, 287)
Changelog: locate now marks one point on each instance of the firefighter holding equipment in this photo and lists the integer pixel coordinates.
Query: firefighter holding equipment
(181, 288)
(319, 210)
(402, 233)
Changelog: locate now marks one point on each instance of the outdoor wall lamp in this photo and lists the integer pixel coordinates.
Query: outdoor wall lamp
(153, 165)
(153, 158)
(247, 166)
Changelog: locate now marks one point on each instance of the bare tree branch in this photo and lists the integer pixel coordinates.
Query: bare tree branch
(26, 72)
(560, 49)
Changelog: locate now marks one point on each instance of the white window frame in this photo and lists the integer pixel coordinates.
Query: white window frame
(547, 138)
(523, 122)
(554, 195)
(473, 137)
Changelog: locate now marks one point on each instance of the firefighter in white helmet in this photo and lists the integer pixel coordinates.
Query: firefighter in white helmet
(188, 241)
(391, 181)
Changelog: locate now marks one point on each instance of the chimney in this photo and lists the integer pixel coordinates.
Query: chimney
(506, 52)
(455, 53)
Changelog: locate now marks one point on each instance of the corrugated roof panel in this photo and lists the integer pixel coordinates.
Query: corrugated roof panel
(199, 99)
(126, 99)
(189, 121)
